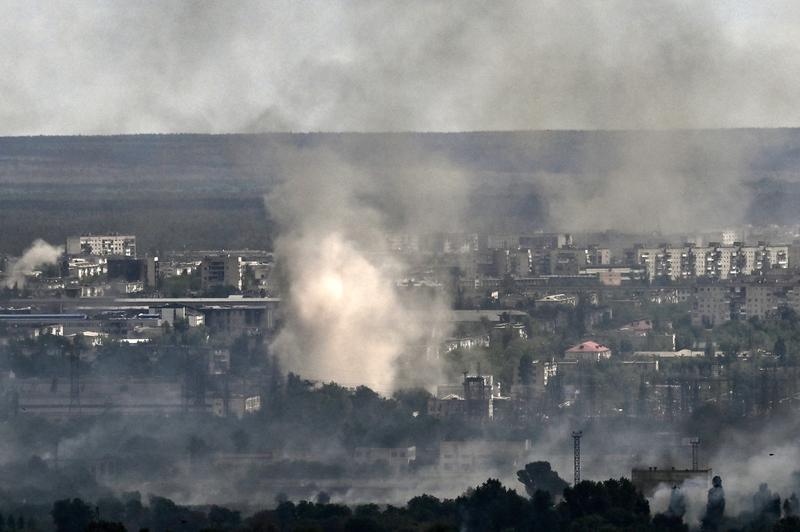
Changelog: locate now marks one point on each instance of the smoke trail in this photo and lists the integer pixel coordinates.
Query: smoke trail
(40, 253)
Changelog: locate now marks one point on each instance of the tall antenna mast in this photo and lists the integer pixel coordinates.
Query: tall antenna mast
(576, 439)
(695, 442)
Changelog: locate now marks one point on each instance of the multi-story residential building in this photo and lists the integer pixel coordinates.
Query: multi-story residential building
(776, 257)
(729, 237)
(793, 298)
(506, 241)
(714, 261)
(523, 262)
(105, 245)
(653, 259)
(566, 261)
(737, 300)
(501, 263)
(543, 371)
(727, 262)
(680, 263)
(704, 261)
(545, 241)
(712, 305)
(597, 256)
(615, 275)
(144, 270)
(473, 399)
(758, 301)
(85, 268)
(221, 270)
(793, 258)
(752, 259)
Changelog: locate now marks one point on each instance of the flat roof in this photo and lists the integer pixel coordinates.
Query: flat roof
(41, 317)
(476, 315)
(196, 300)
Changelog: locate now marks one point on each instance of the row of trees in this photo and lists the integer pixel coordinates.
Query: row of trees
(609, 506)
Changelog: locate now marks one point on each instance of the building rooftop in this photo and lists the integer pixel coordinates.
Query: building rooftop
(234, 300)
(588, 347)
(476, 315)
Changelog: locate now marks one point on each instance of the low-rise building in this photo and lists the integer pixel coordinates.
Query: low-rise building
(473, 399)
(397, 458)
(235, 405)
(681, 353)
(466, 343)
(173, 313)
(642, 326)
(648, 480)
(557, 299)
(505, 332)
(479, 456)
(588, 351)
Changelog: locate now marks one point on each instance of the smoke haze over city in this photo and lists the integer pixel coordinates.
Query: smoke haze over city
(223, 67)
(425, 265)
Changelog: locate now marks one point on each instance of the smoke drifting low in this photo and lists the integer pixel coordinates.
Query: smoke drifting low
(113, 67)
(39, 254)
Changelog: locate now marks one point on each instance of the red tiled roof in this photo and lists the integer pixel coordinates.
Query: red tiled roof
(588, 347)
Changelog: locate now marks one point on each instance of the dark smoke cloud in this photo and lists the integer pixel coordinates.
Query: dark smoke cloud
(128, 67)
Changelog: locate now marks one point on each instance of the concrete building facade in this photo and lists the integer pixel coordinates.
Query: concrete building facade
(105, 245)
(221, 271)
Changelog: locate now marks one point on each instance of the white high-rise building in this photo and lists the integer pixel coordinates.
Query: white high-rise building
(102, 245)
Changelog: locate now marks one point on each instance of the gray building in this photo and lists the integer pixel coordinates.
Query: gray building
(105, 245)
(221, 271)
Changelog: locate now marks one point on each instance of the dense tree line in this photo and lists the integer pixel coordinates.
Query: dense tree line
(609, 506)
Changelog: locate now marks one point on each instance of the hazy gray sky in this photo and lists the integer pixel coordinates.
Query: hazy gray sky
(153, 66)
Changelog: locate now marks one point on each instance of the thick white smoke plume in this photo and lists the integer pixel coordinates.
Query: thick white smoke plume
(39, 254)
(347, 321)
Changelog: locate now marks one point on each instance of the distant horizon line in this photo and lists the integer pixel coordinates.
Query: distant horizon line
(405, 132)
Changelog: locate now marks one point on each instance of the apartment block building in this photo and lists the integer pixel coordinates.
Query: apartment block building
(712, 305)
(714, 261)
(718, 303)
(103, 245)
(221, 270)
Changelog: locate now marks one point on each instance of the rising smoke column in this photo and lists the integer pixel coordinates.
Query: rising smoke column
(346, 320)
(39, 254)
(347, 323)
(677, 503)
(715, 507)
